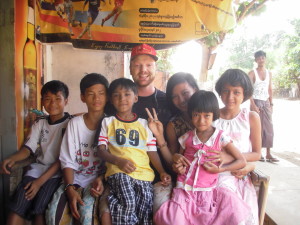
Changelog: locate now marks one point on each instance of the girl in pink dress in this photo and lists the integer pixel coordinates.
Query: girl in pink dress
(243, 126)
(196, 199)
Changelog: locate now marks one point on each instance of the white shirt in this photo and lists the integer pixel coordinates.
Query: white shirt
(44, 141)
(78, 152)
(261, 87)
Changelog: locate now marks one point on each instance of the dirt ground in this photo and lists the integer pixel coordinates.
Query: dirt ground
(286, 123)
(292, 157)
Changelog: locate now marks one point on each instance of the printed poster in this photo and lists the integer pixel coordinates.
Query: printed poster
(121, 24)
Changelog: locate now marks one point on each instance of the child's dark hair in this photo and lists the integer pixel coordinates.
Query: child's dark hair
(259, 54)
(235, 78)
(54, 86)
(175, 79)
(123, 83)
(91, 79)
(204, 101)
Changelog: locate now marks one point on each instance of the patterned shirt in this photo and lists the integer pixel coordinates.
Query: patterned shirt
(79, 153)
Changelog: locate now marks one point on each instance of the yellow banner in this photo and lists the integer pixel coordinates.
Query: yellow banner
(121, 24)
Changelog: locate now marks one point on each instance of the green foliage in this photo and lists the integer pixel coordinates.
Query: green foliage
(242, 49)
(290, 70)
(164, 63)
(212, 40)
(283, 54)
(256, 9)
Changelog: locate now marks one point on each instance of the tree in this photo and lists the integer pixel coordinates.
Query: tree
(283, 54)
(212, 41)
(241, 50)
(164, 63)
(290, 72)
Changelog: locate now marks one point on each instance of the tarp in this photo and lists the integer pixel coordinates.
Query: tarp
(121, 24)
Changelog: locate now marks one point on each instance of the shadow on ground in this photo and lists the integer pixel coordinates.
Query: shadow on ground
(292, 157)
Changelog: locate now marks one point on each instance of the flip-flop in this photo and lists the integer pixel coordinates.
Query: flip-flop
(273, 159)
(262, 159)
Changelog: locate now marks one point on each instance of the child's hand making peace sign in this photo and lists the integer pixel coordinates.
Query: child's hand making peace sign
(154, 124)
(157, 129)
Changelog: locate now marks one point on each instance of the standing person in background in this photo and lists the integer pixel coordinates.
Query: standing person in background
(262, 102)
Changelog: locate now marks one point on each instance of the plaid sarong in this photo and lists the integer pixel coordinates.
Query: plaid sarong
(130, 200)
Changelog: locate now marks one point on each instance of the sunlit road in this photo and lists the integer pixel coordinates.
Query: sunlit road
(286, 120)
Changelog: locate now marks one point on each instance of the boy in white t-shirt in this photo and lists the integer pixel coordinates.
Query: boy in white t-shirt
(43, 177)
(75, 199)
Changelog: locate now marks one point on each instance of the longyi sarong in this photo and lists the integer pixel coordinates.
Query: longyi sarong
(267, 132)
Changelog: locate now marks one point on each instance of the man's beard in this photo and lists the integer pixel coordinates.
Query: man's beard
(145, 83)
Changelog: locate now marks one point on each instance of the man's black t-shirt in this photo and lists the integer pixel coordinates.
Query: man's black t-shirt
(158, 101)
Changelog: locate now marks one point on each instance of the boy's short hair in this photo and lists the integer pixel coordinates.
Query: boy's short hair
(174, 80)
(54, 86)
(204, 101)
(91, 79)
(123, 83)
(259, 54)
(235, 77)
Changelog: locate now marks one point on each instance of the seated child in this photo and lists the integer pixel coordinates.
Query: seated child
(43, 177)
(75, 199)
(126, 144)
(244, 127)
(196, 199)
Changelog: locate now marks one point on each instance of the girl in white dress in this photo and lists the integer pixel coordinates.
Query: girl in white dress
(243, 126)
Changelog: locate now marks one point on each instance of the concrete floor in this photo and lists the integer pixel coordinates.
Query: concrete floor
(283, 202)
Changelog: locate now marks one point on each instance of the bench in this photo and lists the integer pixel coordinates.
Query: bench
(260, 182)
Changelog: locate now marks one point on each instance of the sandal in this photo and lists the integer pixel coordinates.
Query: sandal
(272, 159)
(262, 159)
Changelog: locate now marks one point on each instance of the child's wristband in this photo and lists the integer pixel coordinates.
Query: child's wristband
(69, 185)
